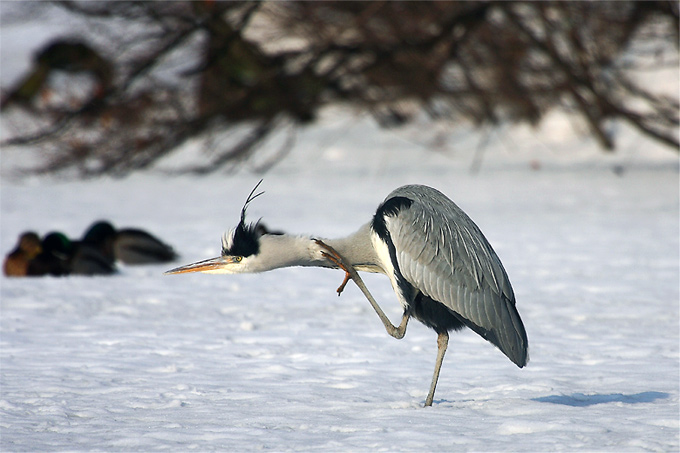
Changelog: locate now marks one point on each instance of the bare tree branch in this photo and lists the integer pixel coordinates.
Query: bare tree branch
(182, 70)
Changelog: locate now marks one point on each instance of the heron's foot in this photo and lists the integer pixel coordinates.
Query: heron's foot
(341, 288)
(333, 256)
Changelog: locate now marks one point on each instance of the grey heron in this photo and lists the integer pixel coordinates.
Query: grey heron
(443, 270)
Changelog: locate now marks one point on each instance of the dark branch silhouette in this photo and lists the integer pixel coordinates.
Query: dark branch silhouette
(254, 66)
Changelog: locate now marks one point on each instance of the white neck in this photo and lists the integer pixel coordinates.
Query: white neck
(283, 250)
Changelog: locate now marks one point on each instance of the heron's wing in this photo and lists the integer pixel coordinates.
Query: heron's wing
(443, 254)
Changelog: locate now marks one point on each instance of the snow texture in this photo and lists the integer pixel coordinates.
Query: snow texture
(142, 361)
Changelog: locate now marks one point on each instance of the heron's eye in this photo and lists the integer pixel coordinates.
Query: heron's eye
(238, 259)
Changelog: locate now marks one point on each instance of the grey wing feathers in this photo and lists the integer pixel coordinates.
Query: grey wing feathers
(443, 254)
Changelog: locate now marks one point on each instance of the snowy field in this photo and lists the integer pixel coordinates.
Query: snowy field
(145, 362)
(276, 361)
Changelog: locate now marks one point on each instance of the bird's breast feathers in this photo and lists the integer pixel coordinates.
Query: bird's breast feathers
(382, 251)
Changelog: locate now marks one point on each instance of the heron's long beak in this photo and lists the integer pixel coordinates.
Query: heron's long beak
(209, 266)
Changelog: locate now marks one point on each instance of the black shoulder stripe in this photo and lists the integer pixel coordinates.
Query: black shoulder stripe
(390, 207)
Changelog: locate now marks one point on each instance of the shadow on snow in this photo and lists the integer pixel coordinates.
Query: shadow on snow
(583, 400)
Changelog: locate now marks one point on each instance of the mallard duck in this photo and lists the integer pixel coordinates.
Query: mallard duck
(16, 262)
(61, 256)
(128, 245)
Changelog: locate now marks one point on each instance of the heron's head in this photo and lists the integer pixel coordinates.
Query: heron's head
(240, 247)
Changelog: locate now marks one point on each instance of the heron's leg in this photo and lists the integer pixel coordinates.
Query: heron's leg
(442, 343)
(332, 255)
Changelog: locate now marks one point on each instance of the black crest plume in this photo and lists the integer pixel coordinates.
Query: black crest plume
(243, 240)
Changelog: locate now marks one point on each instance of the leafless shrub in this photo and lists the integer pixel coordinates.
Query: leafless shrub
(172, 71)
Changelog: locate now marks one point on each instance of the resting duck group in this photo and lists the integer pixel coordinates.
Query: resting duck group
(95, 254)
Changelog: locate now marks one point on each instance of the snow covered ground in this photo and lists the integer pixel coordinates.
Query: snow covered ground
(276, 361)
(144, 362)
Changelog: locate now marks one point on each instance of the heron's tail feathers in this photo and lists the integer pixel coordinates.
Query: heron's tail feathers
(507, 333)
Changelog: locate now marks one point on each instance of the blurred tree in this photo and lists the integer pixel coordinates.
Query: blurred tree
(248, 66)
